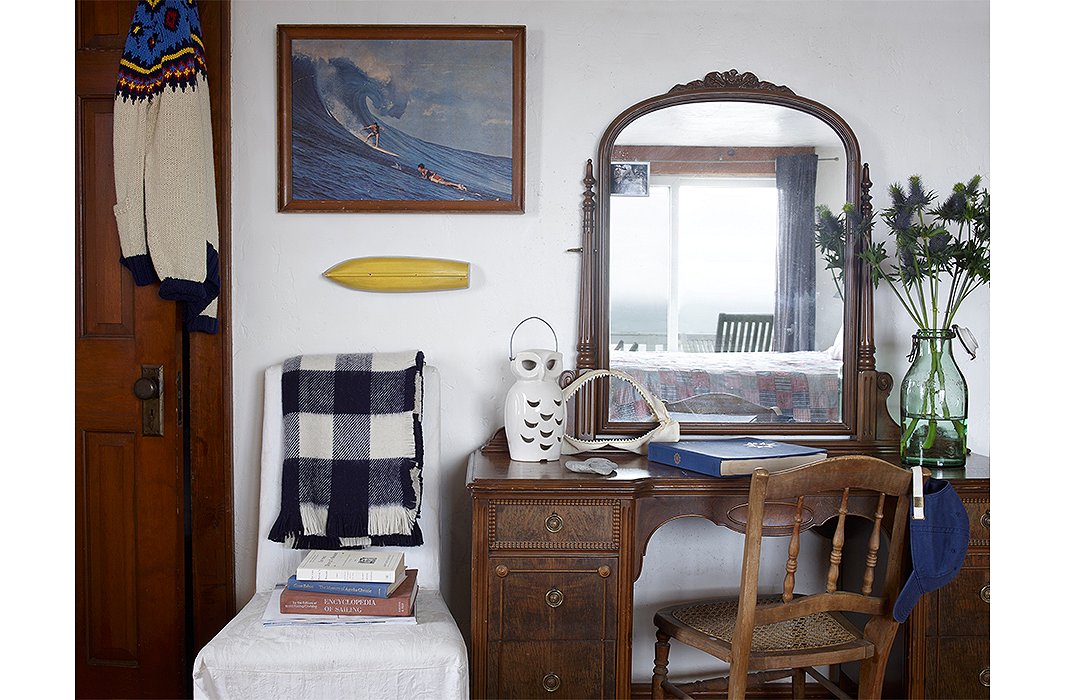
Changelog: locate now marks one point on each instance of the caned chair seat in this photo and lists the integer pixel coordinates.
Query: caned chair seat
(711, 623)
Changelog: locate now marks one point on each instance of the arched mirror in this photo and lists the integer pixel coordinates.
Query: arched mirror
(706, 276)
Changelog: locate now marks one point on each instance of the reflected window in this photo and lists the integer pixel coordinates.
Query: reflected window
(694, 248)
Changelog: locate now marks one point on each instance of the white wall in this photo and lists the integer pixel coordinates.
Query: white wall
(911, 78)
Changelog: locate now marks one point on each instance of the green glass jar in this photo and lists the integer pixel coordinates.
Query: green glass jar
(933, 404)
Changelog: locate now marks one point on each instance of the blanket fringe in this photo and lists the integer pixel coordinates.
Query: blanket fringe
(313, 517)
(389, 520)
(287, 526)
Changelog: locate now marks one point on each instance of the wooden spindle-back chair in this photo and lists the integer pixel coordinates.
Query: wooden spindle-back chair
(768, 637)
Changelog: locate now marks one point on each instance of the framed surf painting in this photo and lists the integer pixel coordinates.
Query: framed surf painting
(401, 118)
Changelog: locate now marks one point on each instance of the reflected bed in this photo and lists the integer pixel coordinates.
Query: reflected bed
(804, 387)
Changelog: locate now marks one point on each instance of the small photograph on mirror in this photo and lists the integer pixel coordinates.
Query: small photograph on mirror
(629, 179)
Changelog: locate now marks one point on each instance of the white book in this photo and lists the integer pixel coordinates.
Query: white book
(273, 617)
(351, 565)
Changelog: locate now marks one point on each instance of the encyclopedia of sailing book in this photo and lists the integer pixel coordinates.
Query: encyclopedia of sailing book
(351, 565)
(733, 456)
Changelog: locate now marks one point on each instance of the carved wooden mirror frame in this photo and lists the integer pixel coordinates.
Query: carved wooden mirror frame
(865, 425)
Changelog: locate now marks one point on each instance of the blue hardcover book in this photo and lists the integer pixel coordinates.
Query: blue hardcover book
(358, 588)
(733, 456)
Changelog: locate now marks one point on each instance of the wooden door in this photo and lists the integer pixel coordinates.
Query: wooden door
(137, 601)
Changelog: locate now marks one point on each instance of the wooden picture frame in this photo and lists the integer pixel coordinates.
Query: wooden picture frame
(368, 122)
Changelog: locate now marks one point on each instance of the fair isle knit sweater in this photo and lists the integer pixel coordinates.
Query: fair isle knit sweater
(164, 161)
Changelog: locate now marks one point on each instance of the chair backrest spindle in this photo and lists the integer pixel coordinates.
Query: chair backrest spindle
(873, 546)
(838, 545)
(793, 553)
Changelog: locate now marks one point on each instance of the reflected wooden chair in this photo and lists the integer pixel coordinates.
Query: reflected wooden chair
(744, 332)
(767, 637)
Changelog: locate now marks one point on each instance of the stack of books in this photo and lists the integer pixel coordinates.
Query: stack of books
(346, 587)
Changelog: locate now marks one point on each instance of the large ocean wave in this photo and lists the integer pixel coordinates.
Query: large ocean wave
(332, 101)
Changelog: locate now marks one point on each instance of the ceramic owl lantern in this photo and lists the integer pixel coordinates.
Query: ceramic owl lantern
(534, 413)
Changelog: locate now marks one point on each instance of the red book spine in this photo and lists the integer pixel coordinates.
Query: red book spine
(309, 603)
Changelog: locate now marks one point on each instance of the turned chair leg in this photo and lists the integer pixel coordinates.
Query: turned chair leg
(799, 684)
(662, 652)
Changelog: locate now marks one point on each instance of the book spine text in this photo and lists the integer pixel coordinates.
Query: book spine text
(310, 604)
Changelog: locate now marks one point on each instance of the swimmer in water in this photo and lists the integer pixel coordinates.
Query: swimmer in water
(433, 177)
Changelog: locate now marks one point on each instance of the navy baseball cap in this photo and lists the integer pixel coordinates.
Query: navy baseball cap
(938, 545)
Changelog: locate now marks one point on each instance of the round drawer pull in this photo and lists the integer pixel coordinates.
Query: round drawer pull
(983, 677)
(554, 598)
(984, 592)
(604, 571)
(984, 520)
(551, 682)
(502, 571)
(553, 523)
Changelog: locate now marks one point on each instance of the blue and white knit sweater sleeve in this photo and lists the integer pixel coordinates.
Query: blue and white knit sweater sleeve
(164, 160)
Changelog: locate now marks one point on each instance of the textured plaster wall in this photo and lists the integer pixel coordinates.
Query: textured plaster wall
(911, 78)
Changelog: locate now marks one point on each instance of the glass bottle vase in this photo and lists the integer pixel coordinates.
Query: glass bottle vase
(933, 404)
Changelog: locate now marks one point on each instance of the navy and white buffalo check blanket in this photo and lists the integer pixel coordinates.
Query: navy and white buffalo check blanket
(352, 474)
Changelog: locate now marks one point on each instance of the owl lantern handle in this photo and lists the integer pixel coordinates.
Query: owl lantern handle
(510, 346)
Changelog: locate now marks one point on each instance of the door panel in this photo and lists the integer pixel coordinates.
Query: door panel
(129, 538)
(110, 532)
(107, 303)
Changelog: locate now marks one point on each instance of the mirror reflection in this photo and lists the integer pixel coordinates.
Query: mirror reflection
(722, 302)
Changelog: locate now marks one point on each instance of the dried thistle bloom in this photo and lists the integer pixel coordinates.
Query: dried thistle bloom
(942, 251)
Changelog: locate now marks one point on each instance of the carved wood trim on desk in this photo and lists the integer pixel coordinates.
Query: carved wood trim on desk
(544, 535)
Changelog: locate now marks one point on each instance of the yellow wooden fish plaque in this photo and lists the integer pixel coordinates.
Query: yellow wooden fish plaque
(400, 274)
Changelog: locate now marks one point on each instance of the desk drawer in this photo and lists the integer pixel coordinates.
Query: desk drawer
(963, 605)
(552, 598)
(582, 524)
(551, 670)
(961, 668)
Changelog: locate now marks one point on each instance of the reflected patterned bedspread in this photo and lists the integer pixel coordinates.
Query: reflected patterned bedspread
(805, 386)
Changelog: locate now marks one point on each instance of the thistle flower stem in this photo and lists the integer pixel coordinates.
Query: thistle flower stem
(920, 305)
(908, 303)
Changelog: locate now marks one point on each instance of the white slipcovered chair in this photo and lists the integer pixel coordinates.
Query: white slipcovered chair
(426, 660)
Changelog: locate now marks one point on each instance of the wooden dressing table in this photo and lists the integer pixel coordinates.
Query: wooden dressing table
(555, 555)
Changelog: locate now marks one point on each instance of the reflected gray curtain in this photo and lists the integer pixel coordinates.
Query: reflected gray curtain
(794, 309)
